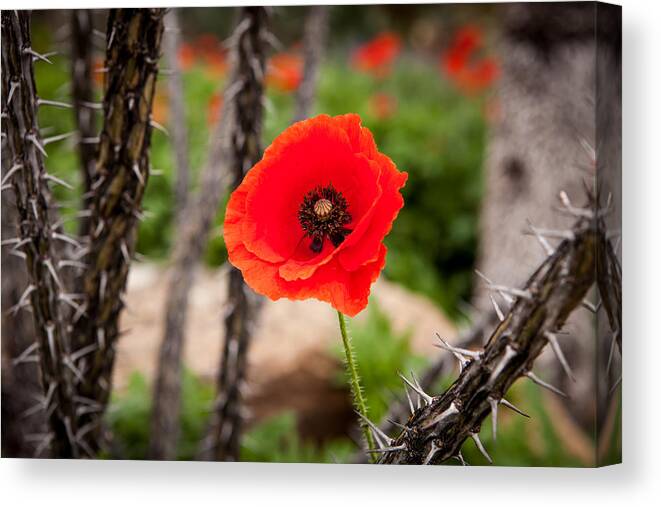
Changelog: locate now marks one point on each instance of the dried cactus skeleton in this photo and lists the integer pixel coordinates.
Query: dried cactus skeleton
(250, 41)
(195, 224)
(439, 425)
(76, 330)
(28, 179)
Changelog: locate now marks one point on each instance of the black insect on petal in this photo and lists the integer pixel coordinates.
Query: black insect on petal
(317, 244)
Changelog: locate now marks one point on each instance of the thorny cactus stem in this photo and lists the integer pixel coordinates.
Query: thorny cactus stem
(437, 429)
(193, 231)
(82, 93)
(401, 408)
(122, 169)
(27, 177)
(250, 42)
(177, 124)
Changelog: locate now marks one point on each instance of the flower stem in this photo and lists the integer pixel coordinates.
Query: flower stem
(356, 390)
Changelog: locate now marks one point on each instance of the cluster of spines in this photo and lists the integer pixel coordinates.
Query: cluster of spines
(59, 263)
(438, 425)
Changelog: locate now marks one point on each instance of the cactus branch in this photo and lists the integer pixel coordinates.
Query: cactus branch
(27, 177)
(435, 432)
(193, 232)
(82, 92)
(122, 170)
(250, 48)
(177, 124)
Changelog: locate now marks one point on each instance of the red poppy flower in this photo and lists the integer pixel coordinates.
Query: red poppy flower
(460, 63)
(285, 72)
(376, 57)
(308, 220)
(382, 105)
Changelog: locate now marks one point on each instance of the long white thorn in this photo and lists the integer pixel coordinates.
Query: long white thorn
(55, 179)
(432, 452)
(545, 385)
(138, 174)
(33, 139)
(502, 289)
(554, 233)
(37, 56)
(509, 354)
(473, 354)
(83, 352)
(571, 209)
(420, 392)
(22, 301)
(71, 264)
(10, 173)
(448, 412)
(555, 345)
(478, 443)
(60, 137)
(490, 284)
(548, 249)
(499, 312)
(12, 89)
(401, 447)
(50, 337)
(49, 264)
(23, 357)
(66, 239)
(378, 433)
(54, 103)
(494, 417)
(408, 398)
(509, 405)
(160, 127)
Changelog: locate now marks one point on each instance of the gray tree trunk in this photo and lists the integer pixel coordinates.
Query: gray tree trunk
(539, 146)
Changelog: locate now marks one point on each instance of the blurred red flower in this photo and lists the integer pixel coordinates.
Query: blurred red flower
(215, 107)
(186, 56)
(309, 219)
(382, 105)
(98, 71)
(210, 50)
(284, 72)
(376, 56)
(206, 50)
(461, 64)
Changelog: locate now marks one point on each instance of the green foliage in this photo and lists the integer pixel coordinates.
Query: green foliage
(128, 417)
(273, 440)
(277, 440)
(380, 354)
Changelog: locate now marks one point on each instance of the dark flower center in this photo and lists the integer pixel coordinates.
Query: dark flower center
(323, 214)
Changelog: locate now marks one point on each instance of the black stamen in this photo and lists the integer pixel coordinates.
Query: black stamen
(323, 213)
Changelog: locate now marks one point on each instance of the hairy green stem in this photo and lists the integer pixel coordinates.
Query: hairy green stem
(356, 390)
